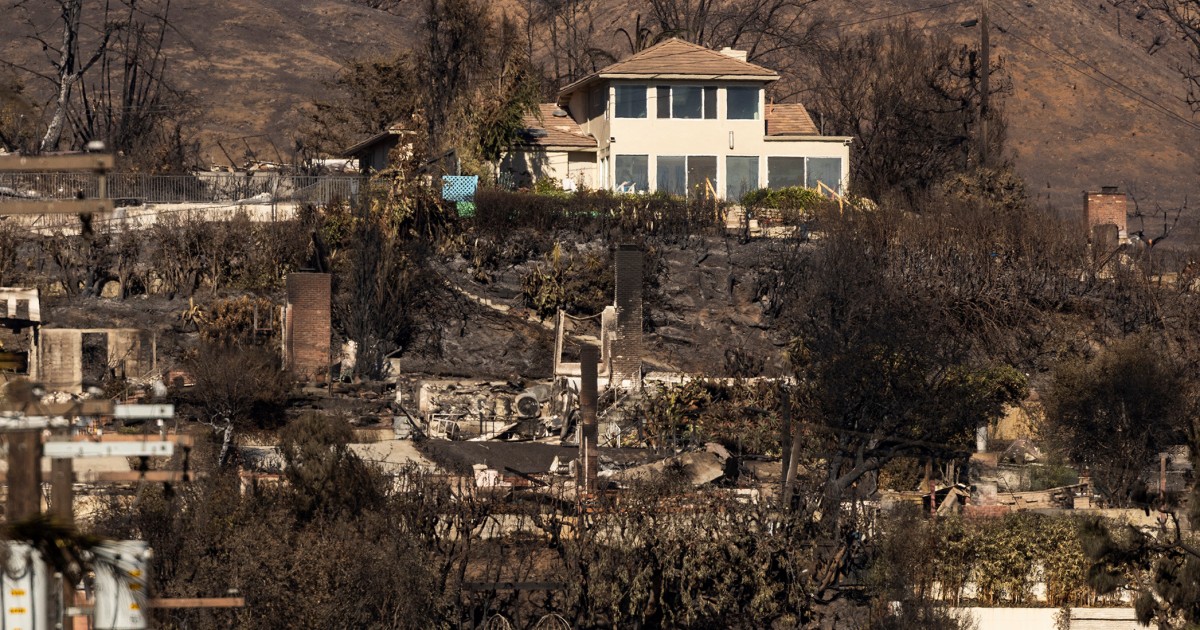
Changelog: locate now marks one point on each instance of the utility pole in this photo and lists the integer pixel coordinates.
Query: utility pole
(24, 475)
(62, 508)
(985, 49)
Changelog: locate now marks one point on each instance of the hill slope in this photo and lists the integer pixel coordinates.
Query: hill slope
(1090, 106)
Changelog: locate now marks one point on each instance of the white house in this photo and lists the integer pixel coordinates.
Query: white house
(681, 118)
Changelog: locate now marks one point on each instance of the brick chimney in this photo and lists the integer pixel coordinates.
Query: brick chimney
(307, 325)
(626, 357)
(1107, 207)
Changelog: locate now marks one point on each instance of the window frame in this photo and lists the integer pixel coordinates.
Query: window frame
(735, 89)
(805, 174)
(729, 180)
(633, 87)
(665, 104)
(617, 159)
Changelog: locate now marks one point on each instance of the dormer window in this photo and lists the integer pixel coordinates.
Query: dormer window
(741, 103)
(686, 101)
(631, 101)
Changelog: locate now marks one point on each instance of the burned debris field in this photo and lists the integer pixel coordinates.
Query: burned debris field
(599, 314)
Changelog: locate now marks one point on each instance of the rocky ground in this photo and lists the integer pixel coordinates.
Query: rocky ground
(707, 315)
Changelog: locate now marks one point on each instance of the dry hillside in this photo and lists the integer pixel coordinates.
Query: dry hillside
(1093, 103)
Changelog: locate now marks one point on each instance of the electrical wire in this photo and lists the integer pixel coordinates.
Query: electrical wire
(892, 15)
(1115, 83)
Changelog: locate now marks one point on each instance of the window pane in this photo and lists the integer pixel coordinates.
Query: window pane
(598, 98)
(686, 101)
(710, 102)
(631, 101)
(741, 176)
(785, 171)
(825, 170)
(702, 172)
(632, 173)
(672, 174)
(742, 103)
(663, 96)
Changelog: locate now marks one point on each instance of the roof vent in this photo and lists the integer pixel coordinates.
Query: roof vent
(1108, 190)
(559, 112)
(740, 55)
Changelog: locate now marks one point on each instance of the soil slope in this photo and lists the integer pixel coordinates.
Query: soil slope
(1095, 101)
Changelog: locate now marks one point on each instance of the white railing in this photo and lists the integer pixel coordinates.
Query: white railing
(212, 188)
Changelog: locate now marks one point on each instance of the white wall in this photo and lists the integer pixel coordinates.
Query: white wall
(1044, 618)
(700, 137)
(557, 165)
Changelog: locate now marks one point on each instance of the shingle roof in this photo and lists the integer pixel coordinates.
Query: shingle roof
(553, 131)
(676, 56)
(789, 119)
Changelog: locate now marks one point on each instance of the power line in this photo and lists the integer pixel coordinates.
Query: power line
(900, 15)
(1115, 83)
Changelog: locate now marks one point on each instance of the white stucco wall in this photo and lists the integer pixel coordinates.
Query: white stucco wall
(557, 165)
(1044, 618)
(718, 137)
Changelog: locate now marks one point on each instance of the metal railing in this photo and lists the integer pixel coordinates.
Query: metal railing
(207, 188)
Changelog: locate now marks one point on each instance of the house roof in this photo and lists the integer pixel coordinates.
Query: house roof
(395, 129)
(554, 131)
(790, 119)
(675, 58)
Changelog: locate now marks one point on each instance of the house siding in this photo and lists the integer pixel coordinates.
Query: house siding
(718, 137)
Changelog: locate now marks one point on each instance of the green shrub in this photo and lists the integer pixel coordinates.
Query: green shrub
(792, 198)
(594, 213)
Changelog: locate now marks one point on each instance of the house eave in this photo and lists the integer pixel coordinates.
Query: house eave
(661, 76)
(554, 147)
(375, 139)
(809, 138)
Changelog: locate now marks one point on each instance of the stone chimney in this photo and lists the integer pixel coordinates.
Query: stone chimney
(740, 55)
(1107, 207)
(626, 359)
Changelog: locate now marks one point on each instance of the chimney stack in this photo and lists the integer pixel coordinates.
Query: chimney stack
(1107, 207)
(740, 55)
(627, 340)
(588, 430)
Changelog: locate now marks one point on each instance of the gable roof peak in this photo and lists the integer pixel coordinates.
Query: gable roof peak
(677, 58)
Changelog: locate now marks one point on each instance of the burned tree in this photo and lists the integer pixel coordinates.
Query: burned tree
(110, 80)
(1133, 397)
(1185, 16)
(365, 97)
(70, 56)
(911, 102)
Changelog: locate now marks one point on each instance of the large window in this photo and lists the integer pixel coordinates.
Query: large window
(702, 175)
(686, 175)
(686, 101)
(672, 174)
(741, 176)
(632, 173)
(828, 171)
(741, 103)
(599, 102)
(631, 101)
(783, 172)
